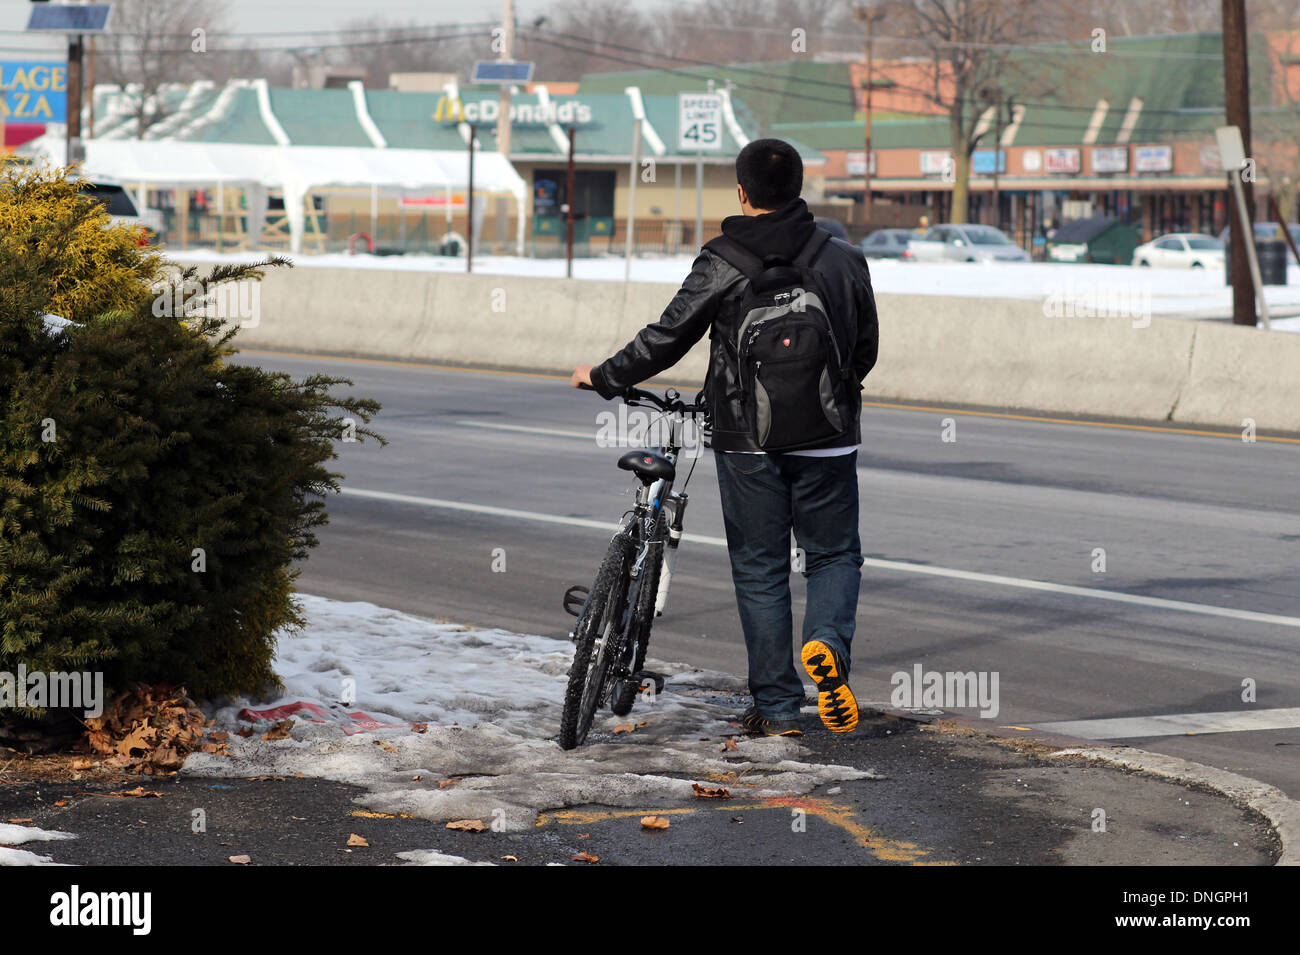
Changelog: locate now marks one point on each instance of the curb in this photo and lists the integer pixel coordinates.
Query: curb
(1280, 811)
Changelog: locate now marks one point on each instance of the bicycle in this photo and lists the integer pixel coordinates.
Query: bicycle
(631, 585)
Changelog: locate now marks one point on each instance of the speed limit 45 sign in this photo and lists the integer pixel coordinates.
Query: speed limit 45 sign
(699, 122)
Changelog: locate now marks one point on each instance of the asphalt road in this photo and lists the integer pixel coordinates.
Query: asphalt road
(957, 534)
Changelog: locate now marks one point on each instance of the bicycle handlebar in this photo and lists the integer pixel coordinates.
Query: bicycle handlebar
(670, 402)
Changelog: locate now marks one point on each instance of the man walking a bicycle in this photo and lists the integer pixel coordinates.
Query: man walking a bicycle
(793, 332)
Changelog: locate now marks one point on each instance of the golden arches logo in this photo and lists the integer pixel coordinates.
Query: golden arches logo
(449, 108)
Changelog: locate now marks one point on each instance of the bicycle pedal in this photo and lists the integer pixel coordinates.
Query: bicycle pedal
(575, 598)
(646, 677)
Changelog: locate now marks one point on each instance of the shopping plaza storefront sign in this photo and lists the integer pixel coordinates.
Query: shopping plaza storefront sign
(567, 113)
(35, 91)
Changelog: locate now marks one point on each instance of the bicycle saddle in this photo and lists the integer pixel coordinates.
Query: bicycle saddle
(650, 466)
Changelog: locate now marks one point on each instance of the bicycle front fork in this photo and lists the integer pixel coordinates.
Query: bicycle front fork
(676, 511)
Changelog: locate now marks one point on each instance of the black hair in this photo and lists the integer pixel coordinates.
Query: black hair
(771, 173)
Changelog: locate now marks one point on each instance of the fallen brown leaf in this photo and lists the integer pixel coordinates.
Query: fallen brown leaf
(82, 763)
(419, 727)
(654, 822)
(245, 731)
(219, 737)
(356, 840)
(584, 857)
(624, 728)
(468, 825)
(444, 783)
(509, 858)
(19, 822)
(729, 744)
(707, 792)
(240, 860)
(386, 747)
(60, 802)
(278, 730)
(138, 793)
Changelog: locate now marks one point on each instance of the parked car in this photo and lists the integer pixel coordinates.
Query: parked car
(966, 243)
(1264, 231)
(888, 244)
(1180, 250)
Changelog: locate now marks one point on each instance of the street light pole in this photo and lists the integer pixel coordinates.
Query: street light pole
(1237, 108)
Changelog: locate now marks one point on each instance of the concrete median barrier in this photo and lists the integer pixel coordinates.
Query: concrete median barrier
(1241, 374)
(1004, 353)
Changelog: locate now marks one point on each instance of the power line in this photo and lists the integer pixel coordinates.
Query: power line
(972, 99)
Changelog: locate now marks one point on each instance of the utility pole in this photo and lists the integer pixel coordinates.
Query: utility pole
(503, 107)
(864, 15)
(90, 87)
(1236, 94)
(72, 151)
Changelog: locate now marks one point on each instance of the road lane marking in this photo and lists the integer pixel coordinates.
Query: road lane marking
(1176, 724)
(528, 429)
(900, 566)
(691, 386)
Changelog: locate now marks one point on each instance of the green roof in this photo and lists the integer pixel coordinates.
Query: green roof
(787, 89)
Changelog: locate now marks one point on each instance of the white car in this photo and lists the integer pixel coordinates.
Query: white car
(1181, 250)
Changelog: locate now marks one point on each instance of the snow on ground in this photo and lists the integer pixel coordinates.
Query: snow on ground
(14, 835)
(492, 703)
(1191, 293)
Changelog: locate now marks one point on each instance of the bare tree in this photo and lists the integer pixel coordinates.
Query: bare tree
(154, 42)
(382, 47)
(970, 55)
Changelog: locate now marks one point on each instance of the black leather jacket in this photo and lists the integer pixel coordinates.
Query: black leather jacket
(709, 300)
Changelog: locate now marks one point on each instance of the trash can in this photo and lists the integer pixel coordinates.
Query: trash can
(1272, 255)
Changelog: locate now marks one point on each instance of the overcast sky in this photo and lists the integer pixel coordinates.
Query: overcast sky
(258, 16)
(255, 16)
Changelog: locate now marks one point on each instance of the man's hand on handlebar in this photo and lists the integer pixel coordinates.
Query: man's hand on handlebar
(581, 376)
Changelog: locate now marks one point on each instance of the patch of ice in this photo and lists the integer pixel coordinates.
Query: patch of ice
(492, 703)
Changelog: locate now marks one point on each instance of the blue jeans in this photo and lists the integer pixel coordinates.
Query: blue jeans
(764, 497)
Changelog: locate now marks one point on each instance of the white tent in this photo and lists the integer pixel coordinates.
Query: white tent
(296, 170)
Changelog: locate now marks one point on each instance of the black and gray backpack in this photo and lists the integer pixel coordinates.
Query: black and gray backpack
(794, 376)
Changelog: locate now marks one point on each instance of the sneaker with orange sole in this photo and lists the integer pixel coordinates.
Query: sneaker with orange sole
(836, 704)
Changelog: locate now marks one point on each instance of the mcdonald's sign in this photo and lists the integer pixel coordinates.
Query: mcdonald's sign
(449, 108)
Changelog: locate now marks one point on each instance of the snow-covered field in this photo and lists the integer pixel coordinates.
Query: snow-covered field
(1191, 293)
(491, 701)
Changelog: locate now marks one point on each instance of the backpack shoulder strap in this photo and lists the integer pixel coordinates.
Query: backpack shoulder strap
(819, 238)
(732, 252)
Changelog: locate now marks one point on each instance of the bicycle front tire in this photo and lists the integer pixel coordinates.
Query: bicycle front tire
(599, 619)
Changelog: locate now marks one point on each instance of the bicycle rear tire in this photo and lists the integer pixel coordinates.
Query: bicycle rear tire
(599, 619)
